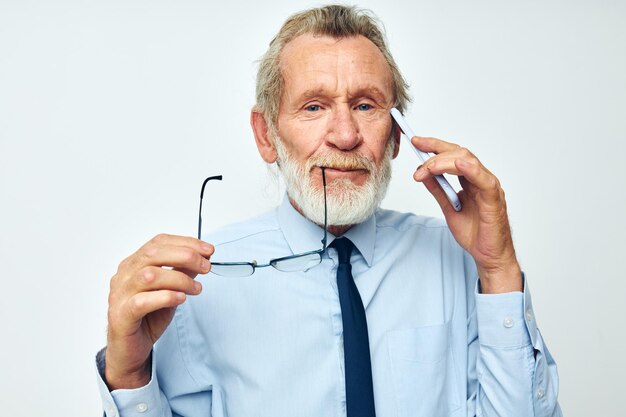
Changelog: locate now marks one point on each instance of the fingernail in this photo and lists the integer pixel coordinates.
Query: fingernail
(207, 247)
(206, 264)
(420, 171)
(180, 296)
(197, 287)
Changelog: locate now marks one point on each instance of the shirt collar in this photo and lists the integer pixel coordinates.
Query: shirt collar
(303, 235)
(363, 235)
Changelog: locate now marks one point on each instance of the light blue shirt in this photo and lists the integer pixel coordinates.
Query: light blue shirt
(271, 344)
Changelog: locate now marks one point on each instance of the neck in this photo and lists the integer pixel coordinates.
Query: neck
(336, 230)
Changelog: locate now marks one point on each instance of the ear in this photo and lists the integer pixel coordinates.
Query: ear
(264, 142)
(396, 137)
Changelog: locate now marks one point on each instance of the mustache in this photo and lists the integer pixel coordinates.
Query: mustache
(340, 161)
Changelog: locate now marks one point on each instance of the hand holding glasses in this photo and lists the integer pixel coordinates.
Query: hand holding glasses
(292, 263)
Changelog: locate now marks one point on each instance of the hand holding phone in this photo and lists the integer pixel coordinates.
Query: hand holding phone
(423, 157)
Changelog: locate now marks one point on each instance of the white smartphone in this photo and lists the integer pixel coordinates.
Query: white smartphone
(423, 156)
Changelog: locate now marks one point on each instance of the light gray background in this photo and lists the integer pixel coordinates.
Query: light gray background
(112, 112)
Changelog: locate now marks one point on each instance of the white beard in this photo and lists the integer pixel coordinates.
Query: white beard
(347, 203)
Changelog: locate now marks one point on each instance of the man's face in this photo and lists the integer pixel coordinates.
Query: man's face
(334, 113)
(336, 100)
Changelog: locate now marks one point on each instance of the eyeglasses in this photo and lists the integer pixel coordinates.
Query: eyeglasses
(292, 263)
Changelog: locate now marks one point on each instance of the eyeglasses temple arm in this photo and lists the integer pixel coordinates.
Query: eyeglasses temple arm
(325, 208)
(215, 177)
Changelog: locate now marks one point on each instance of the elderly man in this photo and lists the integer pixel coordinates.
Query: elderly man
(388, 314)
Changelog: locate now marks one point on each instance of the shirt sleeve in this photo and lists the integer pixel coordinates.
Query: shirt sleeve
(512, 373)
(147, 401)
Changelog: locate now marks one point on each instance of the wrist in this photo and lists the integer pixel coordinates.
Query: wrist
(501, 279)
(116, 378)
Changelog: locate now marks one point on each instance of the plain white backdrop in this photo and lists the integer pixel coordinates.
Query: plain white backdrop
(112, 113)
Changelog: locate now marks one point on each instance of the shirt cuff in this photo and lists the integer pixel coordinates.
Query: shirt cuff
(505, 320)
(138, 402)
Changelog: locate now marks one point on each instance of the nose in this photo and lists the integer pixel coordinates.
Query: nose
(343, 132)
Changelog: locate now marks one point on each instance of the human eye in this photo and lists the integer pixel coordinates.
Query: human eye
(364, 107)
(313, 107)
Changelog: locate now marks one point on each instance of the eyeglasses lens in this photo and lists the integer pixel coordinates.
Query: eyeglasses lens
(298, 263)
(232, 270)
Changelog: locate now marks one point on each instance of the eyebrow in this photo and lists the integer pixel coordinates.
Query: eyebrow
(366, 91)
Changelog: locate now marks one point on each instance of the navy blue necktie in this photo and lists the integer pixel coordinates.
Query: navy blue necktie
(356, 348)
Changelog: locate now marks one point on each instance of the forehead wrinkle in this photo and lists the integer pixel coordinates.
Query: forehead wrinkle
(338, 83)
(334, 72)
(349, 78)
(319, 84)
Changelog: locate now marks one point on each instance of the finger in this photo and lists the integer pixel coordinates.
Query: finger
(434, 145)
(206, 249)
(487, 184)
(190, 274)
(437, 165)
(154, 278)
(144, 303)
(181, 257)
(467, 186)
(446, 163)
(442, 166)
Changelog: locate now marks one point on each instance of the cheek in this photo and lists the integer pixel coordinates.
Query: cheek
(301, 145)
(379, 143)
(304, 150)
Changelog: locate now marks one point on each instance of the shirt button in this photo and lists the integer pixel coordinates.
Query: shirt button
(142, 407)
(540, 393)
(508, 322)
(529, 315)
(112, 412)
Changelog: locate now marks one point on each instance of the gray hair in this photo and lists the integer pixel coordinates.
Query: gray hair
(336, 21)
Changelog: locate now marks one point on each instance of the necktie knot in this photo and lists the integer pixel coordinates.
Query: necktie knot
(344, 249)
